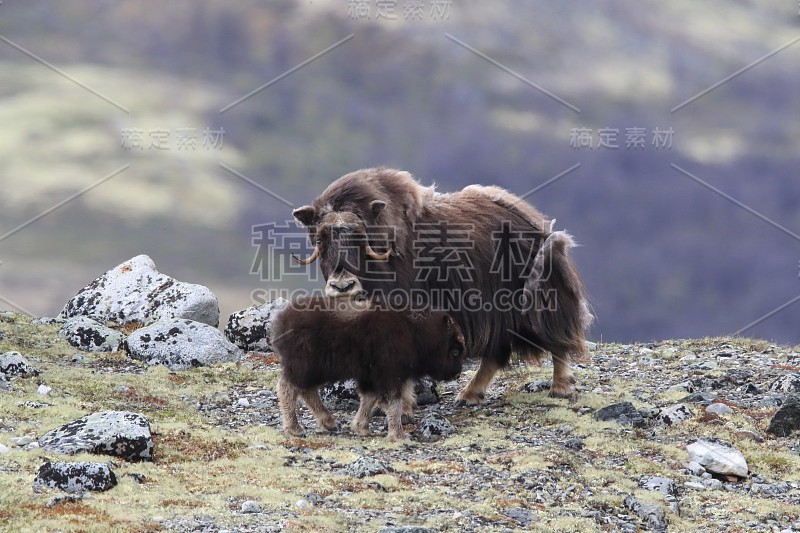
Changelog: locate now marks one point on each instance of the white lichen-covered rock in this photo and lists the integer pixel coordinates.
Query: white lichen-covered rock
(76, 477)
(718, 457)
(251, 328)
(89, 335)
(674, 414)
(181, 344)
(135, 292)
(13, 364)
(117, 433)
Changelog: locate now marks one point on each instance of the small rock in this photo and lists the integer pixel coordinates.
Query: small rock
(49, 320)
(770, 401)
(787, 419)
(111, 432)
(770, 489)
(44, 390)
(694, 485)
(89, 335)
(748, 435)
(708, 365)
(341, 394)
(425, 391)
(60, 500)
(651, 514)
(13, 364)
(434, 424)
(3, 448)
(137, 477)
(523, 516)
(181, 344)
(538, 386)
(21, 442)
(302, 504)
(591, 346)
(77, 358)
(675, 414)
(787, 384)
(243, 402)
(623, 413)
(694, 468)
(365, 466)
(751, 389)
(713, 484)
(688, 358)
(76, 477)
(250, 507)
(661, 484)
(135, 292)
(699, 398)
(718, 457)
(683, 386)
(649, 412)
(250, 329)
(719, 409)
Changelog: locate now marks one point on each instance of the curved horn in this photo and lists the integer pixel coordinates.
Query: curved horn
(375, 255)
(310, 259)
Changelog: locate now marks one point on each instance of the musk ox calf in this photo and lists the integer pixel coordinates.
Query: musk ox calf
(321, 340)
(481, 254)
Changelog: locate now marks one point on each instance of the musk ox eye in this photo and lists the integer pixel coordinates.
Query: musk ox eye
(455, 353)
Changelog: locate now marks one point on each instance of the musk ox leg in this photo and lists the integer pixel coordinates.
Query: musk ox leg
(324, 417)
(475, 391)
(360, 424)
(409, 402)
(563, 380)
(394, 419)
(287, 399)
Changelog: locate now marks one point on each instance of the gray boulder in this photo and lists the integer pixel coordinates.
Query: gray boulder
(787, 419)
(110, 432)
(365, 466)
(251, 328)
(12, 364)
(435, 425)
(181, 344)
(788, 383)
(674, 414)
(718, 457)
(135, 292)
(91, 336)
(651, 514)
(341, 395)
(76, 477)
(623, 413)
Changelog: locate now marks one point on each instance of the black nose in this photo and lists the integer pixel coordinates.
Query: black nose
(343, 286)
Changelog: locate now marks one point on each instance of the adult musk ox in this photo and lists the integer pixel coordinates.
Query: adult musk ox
(319, 340)
(482, 254)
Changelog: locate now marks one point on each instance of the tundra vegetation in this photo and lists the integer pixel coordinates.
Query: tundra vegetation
(522, 460)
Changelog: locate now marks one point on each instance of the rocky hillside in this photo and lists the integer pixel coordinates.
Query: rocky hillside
(219, 460)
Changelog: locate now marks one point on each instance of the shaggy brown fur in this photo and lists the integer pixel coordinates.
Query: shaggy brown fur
(355, 211)
(320, 340)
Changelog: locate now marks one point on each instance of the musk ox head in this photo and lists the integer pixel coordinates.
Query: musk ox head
(359, 226)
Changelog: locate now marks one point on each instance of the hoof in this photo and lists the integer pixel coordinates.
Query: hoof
(400, 439)
(361, 431)
(329, 425)
(567, 394)
(296, 432)
(470, 399)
